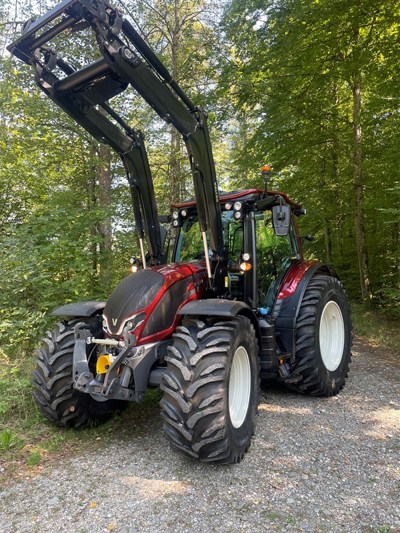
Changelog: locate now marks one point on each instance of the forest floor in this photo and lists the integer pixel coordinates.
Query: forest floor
(315, 465)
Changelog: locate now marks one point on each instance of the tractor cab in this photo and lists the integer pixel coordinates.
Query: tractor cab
(257, 254)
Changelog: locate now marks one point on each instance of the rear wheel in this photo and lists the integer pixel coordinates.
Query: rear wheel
(52, 380)
(211, 389)
(323, 338)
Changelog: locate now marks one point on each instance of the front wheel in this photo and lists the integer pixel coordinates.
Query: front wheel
(52, 380)
(323, 338)
(211, 389)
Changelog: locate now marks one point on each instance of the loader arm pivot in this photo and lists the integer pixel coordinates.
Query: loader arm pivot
(84, 93)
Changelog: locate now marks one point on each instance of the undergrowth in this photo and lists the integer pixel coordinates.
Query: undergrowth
(27, 438)
(16, 403)
(378, 327)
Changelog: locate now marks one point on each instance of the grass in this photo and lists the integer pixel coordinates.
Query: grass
(34, 458)
(28, 440)
(385, 528)
(15, 395)
(9, 440)
(377, 327)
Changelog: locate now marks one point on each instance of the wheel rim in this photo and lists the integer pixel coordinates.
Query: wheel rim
(331, 336)
(239, 387)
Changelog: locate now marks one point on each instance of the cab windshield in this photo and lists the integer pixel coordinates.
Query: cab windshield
(189, 246)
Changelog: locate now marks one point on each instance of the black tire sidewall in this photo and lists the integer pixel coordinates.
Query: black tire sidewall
(333, 292)
(240, 438)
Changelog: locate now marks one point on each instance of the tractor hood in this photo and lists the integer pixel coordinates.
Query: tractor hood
(150, 298)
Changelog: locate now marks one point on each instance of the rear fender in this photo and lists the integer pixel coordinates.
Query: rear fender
(287, 304)
(80, 309)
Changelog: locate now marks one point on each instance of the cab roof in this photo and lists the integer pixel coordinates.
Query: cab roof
(251, 195)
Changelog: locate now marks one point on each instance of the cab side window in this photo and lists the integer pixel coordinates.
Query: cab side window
(190, 245)
(274, 255)
(233, 235)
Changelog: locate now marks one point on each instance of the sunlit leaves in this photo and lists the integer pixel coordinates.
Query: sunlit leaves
(290, 74)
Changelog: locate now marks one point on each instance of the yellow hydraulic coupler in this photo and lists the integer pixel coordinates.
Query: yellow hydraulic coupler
(103, 364)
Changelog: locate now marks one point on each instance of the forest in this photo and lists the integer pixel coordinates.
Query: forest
(309, 87)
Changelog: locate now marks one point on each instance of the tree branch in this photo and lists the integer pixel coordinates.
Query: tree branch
(11, 22)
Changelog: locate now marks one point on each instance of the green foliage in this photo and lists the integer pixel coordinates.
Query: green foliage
(379, 327)
(16, 401)
(34, 458)
(9, 440)
(44, 262)
(291, 76)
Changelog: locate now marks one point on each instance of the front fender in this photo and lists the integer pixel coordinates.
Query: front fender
(215, 307)
(294, 285)
(80, 309)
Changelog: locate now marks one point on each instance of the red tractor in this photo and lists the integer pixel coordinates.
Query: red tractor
(221, 301)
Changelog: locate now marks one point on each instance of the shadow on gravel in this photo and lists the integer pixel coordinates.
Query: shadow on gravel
(365, 412)
(326, 458)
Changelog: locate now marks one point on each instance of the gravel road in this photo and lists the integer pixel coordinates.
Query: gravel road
(315, 465)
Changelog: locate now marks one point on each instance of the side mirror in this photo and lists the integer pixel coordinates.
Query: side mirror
(281, 219)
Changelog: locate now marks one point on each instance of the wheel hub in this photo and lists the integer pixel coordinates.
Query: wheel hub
(331, 336)
(239, 387)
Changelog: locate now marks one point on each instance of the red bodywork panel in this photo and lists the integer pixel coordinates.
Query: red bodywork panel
(293, 277)
(172, 274)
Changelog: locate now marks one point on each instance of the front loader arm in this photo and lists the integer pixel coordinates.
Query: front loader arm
(129, 144)
(84, 94)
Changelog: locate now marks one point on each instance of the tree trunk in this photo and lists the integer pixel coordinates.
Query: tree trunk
(396, 248)
(328, 239)
(337, 187)
(175, 142)
(174, 166)
(91, 205)
(326, 220)
(359, 191)
(104, 177)
(244, 138)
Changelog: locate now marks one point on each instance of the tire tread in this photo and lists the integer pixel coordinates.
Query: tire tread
(305, 377)
(52, 382)
(194, 383)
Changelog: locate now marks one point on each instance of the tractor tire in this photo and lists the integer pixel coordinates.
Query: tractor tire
(211, 387)
(52, 381)
(323, 339)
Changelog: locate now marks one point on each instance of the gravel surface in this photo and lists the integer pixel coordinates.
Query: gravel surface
(315, 465)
